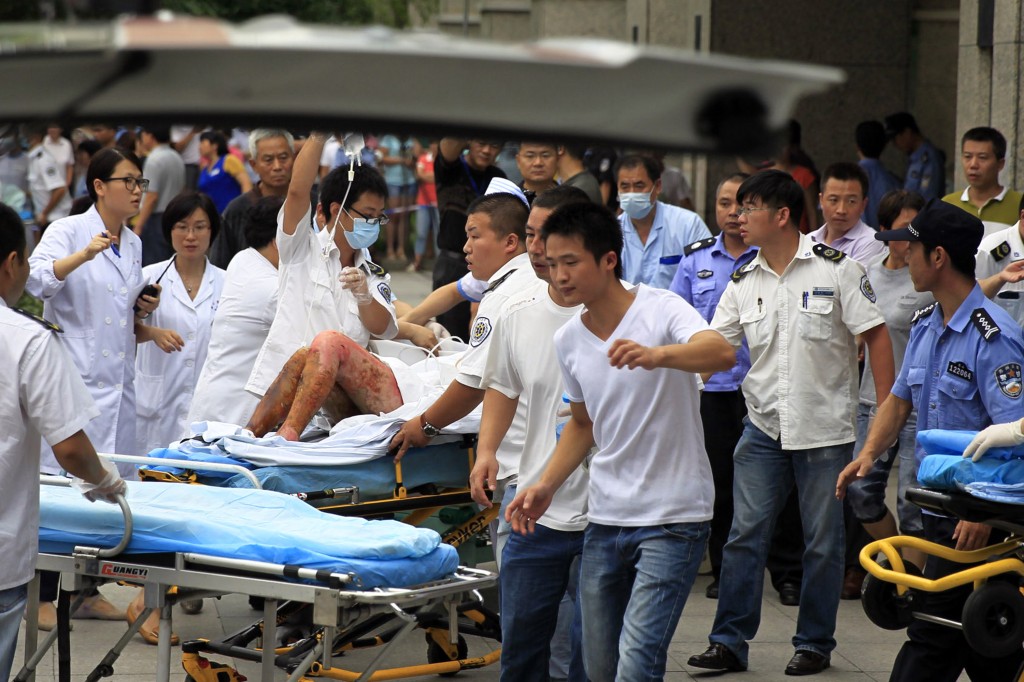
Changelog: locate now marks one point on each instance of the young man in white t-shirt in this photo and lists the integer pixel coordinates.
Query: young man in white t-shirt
(536, 613)
(630, 362)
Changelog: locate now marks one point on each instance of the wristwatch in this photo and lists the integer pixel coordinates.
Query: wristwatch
(429, 430)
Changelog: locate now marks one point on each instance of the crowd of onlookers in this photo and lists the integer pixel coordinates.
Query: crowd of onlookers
(187, 223)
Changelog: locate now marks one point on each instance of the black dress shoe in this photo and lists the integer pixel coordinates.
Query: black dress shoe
(807, 663)
(717, 657)
(789, 594)
(712, 591)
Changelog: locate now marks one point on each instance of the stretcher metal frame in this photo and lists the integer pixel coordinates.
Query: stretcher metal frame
(446, 654)
(169, 578)
(993, 616)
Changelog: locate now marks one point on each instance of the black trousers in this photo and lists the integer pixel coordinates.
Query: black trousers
(722, 413)
(936, 653)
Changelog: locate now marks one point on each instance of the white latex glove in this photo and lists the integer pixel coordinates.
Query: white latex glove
(106, 490)
(439, 330)
(995, 436)
(354, 280)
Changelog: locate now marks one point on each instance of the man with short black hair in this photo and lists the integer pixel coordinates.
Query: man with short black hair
(537, 163)
(654, 233)
(926, 164)
(983, 155)
(166, 174)
(844, 192)
(961, 371)
(870, 138)
(799, 306)
(573, 173)
(462, 171)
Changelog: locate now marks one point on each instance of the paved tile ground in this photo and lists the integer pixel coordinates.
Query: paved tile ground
(865, 652)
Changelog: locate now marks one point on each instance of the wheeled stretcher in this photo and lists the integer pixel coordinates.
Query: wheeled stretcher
(343, 573)
(993, 615)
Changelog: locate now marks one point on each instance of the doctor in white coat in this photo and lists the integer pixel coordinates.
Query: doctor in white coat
(168, 369)
(247, 309)
(87, 269)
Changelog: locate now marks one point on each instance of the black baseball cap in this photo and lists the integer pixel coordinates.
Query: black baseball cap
(940, 224)
(898, 122)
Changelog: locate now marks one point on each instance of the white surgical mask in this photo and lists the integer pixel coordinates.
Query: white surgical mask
(635, 204)
(363, 234)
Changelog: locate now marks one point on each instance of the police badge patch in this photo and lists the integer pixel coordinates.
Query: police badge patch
(481, 330)
(1009, 379)
(704, 274)
(385, 291)
(865, 288)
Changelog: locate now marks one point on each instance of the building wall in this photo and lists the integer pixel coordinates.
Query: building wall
(898, 55)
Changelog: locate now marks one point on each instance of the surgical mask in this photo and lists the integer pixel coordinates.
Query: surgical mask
(363, 234)
(635, 204)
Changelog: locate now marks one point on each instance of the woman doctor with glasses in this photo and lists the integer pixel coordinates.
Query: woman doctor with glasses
(168, 369)
(87, 269)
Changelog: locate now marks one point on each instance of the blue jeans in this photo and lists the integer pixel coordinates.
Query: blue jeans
(867, 495)
(764, 476)
(534, 575)
(12, 606)
(633, 585)
(426, 220)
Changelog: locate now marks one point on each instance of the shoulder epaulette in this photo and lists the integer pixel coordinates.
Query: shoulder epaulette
(697, 246)
(497, 283)
(1001, 251)
(923, 312)
(741, 272)
(374, 269)
(828, 253)
(985, 324)
(46, 323)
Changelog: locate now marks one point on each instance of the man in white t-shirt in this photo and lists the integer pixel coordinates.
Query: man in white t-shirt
(41, 394)
(630, 362)
(536, 569)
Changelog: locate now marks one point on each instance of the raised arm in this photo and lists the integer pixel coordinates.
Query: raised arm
(304, 174)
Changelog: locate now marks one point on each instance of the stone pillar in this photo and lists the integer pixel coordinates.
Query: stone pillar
(989, 81)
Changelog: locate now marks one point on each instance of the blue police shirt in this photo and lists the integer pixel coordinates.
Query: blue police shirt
(701, 278)
(656, 262)
(966, 375)
(880, 182)
(926, 172)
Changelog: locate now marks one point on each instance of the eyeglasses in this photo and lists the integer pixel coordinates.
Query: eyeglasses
(747, 210)
(130, 183)
(380, 220)
(182, 228)
(530, 157)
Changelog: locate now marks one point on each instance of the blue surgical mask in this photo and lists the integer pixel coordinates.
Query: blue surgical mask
(635, 204)
(363, 234)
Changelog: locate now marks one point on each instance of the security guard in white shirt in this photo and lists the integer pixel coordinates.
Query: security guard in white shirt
(799, 306)
(41, 394)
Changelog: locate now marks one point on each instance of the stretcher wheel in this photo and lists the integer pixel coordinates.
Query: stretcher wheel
(192, 606)
(882, 603)
(437, 654)
(993, 619)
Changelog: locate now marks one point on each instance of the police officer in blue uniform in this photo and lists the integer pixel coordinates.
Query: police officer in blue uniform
(961, 371)
(926, 164)
(703, 274)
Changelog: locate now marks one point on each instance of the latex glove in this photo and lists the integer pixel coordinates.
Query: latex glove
(995, 436)
(111, 485)
(439, 330)
(354, 280)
